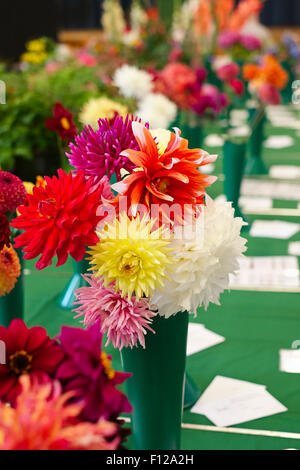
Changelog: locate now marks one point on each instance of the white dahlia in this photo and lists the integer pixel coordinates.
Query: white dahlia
(203, 262)
(158, 110)
(132, 82)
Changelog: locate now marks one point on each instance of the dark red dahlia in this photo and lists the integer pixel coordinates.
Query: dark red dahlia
(12, 192)
(98, 152)
(62, 123)
(27, 351)
(4, 232)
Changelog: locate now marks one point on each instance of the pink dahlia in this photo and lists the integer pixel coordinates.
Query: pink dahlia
(98, 152)
(251, 43)
(87, 371)
(12, 192)
(125, 322)
(228, 39)
(268, 94)
(228, 72)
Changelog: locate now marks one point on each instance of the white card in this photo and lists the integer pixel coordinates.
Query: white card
(285, 171)
(200, 338)
(294, 248)
(274, 229)
(279, 142)
(275, 189)
(227, 402)
(289, 361)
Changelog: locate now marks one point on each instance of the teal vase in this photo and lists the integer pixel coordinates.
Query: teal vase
(234, 155)
(67, 297)
(12, 304)
(255, 164)
(156, 387)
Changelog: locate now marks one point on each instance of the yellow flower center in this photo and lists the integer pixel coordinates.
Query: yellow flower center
(161, 184)
(20, 362)
(106, 362)
(65, 123)
(130, 264)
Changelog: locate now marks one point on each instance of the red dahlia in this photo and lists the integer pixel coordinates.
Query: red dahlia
(27, 351)
(60, 218)
(62, 123)
(4, 232)
(12, 192)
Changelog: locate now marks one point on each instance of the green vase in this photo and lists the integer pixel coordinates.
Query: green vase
(12, 304)
(156, 387)
(234, 155)
(67, 298)
(255, 164)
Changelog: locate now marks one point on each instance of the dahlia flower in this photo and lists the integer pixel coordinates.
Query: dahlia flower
(125, 321)
(167, 179)
(10, 270)
(100, 108)
(228, 39)
(59, 219)
(133, 82)
(12, 192)
(132, 255)
(42, 420)
(250, 42)
(202, 261)
(98, 152)
(28, 351)
(177, 80)
(86, 370)
(268, 94)
(158, 110)
(4, 232)
(237, 86)
(62, 123)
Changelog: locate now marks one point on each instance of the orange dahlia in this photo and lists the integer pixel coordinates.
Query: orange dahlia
(60, 218)
(274, 73)
(167, 175)
(10, 270)
(43, 420)
(251, 72)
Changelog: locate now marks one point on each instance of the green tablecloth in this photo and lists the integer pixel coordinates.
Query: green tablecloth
(256, 326)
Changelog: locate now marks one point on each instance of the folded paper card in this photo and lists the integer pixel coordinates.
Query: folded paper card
(274, 229)
(200, 338)
(289, 361)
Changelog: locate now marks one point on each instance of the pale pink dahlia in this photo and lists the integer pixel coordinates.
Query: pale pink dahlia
(98, 152)
(125, 321)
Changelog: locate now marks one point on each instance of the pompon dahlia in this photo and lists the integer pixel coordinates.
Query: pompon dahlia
(12, 192)
(98, 152)
(103, 108)
(168, 179)
(132, 255)
(10, 270)
(43, 420)
(125, 321)
(203, 261)
(60, 218)
(4, 232)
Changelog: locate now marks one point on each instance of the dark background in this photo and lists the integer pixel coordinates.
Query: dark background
(21, 20)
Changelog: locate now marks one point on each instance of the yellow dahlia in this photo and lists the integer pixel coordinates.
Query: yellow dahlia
(10, 270)
(101, 108)
(132, 255)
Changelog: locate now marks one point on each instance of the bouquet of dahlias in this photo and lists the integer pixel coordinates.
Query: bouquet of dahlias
(157, 244)
(61, 392)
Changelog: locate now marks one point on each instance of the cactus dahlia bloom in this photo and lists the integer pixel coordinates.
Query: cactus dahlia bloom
(10, 270)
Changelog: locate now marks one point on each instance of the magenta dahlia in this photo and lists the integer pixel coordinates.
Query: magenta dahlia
(125, 321)
(97, 152)
(12, 192)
